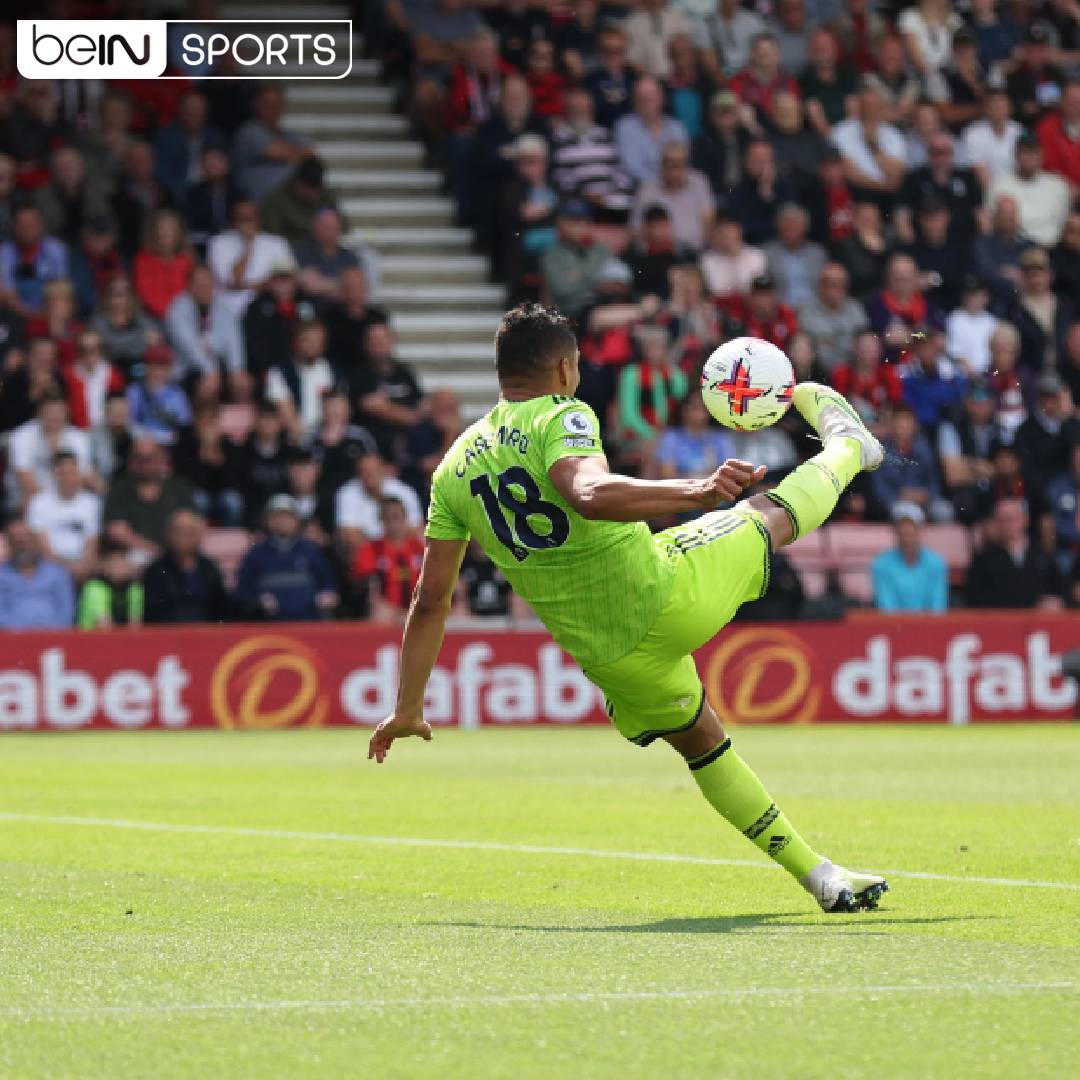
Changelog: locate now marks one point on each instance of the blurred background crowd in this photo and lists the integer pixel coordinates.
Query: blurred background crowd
(197, 376)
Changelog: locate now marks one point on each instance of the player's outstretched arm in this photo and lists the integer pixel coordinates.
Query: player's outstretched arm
(595, 492)
(420, 645)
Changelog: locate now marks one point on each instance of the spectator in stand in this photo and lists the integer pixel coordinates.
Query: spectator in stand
(692, 318)
(483, 590)
(873, 150)
(1033, 80)
(650, 392)
(182, 585)
(933, 386)
(263, 461)
(137, 195)
(649, 31)
(909, 577)
(179, 145)
(304, 486)
(204, 332)
(726, 36)
(927, 29)
(793, 32)
(58, 321)
(386, 395)
(26, 383)
(968, 328)
(1070, 362)
(941, 182)
(964, 447)
(694, 447)
(111, 598)
(762, 78)
(35, 593)
(244, 257)
(104, 145)
(289, 209)
(1063, 500)
(89, 381)
(832, 318)
(72, 197)
(264, 153)
(1041, 197)
(211, 464)
(7, 195)
(825, 83)
(728, 265)
(757, 198)
(1011, 572)
(870, 385)
(33, 124)
(1009, 388)
(578, 39)
(389, 568)
(1042, 317)
(141, 499)
(163, 264)
(572, 267)
(719, 150)
(989, 144)
(297, 386)
(642, 135)
(891, 76)
(322, 259)
(996, 256)
(33, 446)
(865, 250)
(28, 261)
(909, 472)
(1045, 438)
(112, 439)
(271, 319)
(1065, 259)
(653, 254)
(67, 519)
(798, 148)
(584, 161)
(684, 193)
(519, 23)
(611, 85)
(430, 440)
(687, 85)
(126, 333)
(208, 203)
(761, 314)
(158, 406)
(285, 577)
(357, 504)
(527, 208)
(1059, 134)
(941, 260)
(94, 263)
(794, 262)
(545, 82)
(347, 323)
(339, 442)
(997, 34)
(901, 306)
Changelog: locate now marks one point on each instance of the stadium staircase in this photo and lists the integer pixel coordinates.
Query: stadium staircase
(442, 304)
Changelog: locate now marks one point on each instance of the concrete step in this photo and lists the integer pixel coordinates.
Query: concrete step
(420, 240)
(402, 209)
(418, 269)
(445, 326)
(348, 125)
(328, 97)
(384, 181)
(474, 386)
(458, 297)
(238, 9)
(375, 155)
(460, 355)
(363, 71)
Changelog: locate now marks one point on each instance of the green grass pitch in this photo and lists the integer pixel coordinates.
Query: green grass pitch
(287, 909)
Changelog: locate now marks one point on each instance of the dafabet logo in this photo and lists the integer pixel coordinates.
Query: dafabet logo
(148, 48)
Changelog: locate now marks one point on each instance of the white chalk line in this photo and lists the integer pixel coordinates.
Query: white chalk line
(559, 998)
(490, 845)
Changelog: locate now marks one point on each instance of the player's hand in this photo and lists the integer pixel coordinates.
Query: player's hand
(732, 479)
(396, 727)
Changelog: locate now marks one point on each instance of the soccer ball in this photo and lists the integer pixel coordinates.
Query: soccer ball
(747, 383)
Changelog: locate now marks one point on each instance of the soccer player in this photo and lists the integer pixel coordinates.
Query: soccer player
(531, 483)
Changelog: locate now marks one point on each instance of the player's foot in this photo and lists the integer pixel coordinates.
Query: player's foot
(830, 415)
(838, 890)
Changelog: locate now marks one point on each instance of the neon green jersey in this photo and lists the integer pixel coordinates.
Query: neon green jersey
(597, 585)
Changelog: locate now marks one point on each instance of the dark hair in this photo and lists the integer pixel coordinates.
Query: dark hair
(655, 213)
(391, 500)
(112, 547)
(266, 408)
(531, 339)
(63, 455)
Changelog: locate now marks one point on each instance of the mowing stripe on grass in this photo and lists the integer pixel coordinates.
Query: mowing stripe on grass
(585, 997)
(488, 845)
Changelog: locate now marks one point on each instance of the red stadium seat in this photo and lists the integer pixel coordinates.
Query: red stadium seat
(953, 544)
(227, 547)
(855, 546)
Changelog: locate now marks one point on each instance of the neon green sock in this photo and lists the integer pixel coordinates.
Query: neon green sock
(738, 795)
(811, 492)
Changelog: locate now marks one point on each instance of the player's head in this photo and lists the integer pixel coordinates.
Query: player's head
(535, 349)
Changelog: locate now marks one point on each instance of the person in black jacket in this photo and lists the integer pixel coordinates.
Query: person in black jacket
(182, 585)
(270, 322)
(208, 203)
(1010, 571)
(211, 465)
(263, 462)
(718, 151)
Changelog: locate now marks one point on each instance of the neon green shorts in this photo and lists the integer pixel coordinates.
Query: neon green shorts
(721, 561)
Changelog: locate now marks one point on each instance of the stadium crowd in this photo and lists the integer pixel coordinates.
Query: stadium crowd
(888, 193)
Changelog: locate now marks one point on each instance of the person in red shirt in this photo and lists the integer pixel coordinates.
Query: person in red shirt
(57, 320)
(475, 84)
(761, 80)
(544, 81)
(867, 382)
(163, 264)
(390, 566)
(89, 382)
(1059, 136)
(761, 314)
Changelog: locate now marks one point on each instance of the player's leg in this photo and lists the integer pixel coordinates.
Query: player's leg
(734, 791)
(807, 497)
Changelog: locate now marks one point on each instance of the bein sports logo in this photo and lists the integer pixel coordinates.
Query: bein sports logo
(220, 49)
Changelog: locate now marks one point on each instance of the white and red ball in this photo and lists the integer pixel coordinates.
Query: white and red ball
(747, 383)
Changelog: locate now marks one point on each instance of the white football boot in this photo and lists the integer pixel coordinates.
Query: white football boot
(838, 890)
(836, 419)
